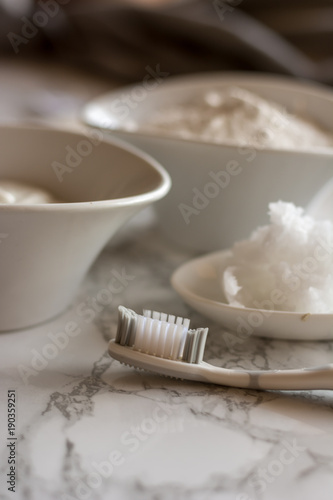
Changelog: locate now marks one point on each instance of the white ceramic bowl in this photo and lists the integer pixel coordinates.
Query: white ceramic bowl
(223, 206)
(45, 250)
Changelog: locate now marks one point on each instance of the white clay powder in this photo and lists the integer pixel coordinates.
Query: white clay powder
(235, 116)
(288, 263)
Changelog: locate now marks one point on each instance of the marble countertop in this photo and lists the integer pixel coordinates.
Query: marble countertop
(87, 427)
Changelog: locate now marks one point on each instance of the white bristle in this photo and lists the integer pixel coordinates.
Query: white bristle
(156, 333)
(182, 343)
(162, 339)
(186, 323)
(173, 343)
(152, 334)
(177, 340)
(140, 333)
(149, 327)
(171, 318)
(169, 341)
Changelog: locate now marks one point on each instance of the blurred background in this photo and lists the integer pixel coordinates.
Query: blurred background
(62, 52)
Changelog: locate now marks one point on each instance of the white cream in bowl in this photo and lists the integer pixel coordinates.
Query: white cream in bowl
(17, 193)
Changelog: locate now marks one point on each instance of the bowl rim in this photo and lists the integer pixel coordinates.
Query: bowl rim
(147, 197)
(317, 89)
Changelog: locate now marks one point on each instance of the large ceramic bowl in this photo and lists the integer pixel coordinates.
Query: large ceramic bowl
(45, 250)
(220, 193)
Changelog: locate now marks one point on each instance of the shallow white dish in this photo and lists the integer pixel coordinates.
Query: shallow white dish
(198, 283)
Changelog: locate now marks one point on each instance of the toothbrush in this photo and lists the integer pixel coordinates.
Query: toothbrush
(165, 344)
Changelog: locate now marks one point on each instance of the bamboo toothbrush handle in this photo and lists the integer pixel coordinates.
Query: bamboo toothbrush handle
(301, 379)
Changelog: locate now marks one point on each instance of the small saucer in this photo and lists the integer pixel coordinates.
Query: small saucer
(198, 283)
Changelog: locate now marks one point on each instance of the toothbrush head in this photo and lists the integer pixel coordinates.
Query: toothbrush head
(161, 335)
